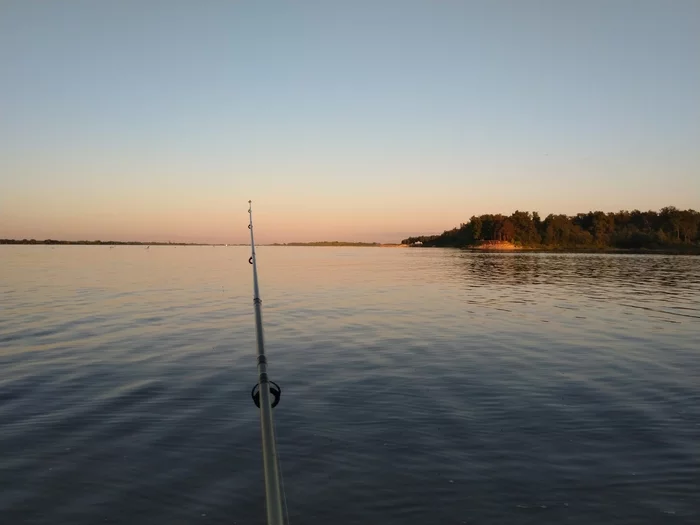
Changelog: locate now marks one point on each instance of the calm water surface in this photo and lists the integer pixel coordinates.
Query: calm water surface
(420, 386)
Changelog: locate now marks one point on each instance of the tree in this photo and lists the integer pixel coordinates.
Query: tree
(476, 225)
(672, 218)
(688, 224)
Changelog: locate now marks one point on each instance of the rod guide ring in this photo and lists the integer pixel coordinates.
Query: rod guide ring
(275, 390)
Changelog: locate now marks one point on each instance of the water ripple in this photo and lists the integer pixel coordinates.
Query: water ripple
(420, 386)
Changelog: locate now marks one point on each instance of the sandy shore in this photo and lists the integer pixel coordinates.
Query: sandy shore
(495, 245)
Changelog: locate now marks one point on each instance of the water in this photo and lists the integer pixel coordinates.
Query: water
(419, 386)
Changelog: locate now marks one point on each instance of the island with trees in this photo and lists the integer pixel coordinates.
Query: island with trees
(668, 230)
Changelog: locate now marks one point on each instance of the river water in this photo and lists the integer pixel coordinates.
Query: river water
(419, 386)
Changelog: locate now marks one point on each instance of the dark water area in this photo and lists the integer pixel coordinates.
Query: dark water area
(419, 386)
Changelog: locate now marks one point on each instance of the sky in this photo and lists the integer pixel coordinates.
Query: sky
(357, 121)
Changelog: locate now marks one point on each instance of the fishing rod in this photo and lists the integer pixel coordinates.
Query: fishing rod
(261, 393)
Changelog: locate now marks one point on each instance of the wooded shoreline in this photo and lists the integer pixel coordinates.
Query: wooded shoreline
(669, 230)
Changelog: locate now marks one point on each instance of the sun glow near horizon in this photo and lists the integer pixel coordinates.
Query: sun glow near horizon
(376, 124)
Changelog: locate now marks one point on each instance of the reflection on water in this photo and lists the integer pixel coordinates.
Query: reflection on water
(577, 269)
(612, 278)
(420, 385)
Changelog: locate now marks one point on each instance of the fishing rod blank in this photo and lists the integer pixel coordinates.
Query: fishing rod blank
(261, 396)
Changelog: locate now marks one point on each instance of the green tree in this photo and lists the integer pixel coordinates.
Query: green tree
(476, 225)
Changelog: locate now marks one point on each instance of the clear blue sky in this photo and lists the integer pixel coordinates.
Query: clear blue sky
(158, 120)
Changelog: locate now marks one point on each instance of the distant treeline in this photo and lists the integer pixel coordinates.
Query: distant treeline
(328, 243)
(667, 228)
(127, 243)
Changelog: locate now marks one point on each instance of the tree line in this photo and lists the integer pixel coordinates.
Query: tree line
(669, 227)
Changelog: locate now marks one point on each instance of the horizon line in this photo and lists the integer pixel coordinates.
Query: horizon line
(49, 241)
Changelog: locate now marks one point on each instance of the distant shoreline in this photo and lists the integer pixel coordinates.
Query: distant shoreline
(493, 247)
(53, 242)
(340, 244)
